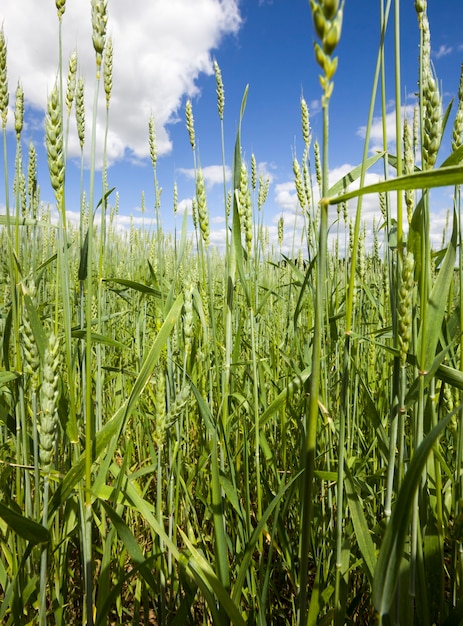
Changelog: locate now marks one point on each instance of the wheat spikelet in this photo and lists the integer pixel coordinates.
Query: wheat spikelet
(405, 306)
(262, 194)
(49, 396)
(175, 198)
(457, 131)
(327, 18)
(19, 111)
(60, 7)
(420, 6)
(243, 189)
(219, 90)
(432, 103)
(108, 71)
(318, 164)
(54, 143)
(188, 317)
(229, 203)
(409, 166)
(99, 20)
(281, 226)
(152, 140)
(203, 213)
(194, 212)
(4, 95)
(248, 234)
(19, 181)
(71, 81)
(29, 345)
(80, 111)
(253, 172)
(306, 176)
(305, 123)
(190, 124)
(299, 183)
(32, 180)
(160, 404)
(245, 206)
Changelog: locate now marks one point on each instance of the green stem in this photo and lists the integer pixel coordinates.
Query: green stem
(256, 419)
(312, 412)
(43, 559)
(345, 410)
(366, 148)
(89, 417)
(398, 122)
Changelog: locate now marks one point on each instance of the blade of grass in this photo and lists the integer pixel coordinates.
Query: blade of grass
(391, 553)
(26, 528)
(361, 529)
(429, 332)
(441, 177)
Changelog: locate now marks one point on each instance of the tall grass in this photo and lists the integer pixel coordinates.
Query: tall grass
(195, 437)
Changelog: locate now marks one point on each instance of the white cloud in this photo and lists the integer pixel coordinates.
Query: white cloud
(264, 170)
(443, 51)
(218, 219)
(213, 174)
(315, 107)
(217, 238)
(376, 131)
(285, 197)
(160, 48)
(185, 205)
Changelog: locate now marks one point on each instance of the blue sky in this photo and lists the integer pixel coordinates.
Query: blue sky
(163, 54)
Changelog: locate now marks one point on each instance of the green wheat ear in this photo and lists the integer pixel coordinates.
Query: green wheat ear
(80, 111)
(432, 103)
(219, 90)
(60, 7)
(190, 123)
(203, 214)
(152, 140)
(54, 144)
(49, 395)
(71, 82)
(327, 18)
(457, 131)
(4, 95)
(99, 20)
(19, 111)
(108, 71)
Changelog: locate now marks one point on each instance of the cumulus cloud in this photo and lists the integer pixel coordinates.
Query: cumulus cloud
(265, 170)
(286, 197)
(160, 49)
(185, 205)
(315, 107)
(443, 51)
(213, 174)
(376, 132)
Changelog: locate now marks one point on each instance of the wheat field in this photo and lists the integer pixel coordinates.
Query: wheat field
(194, 436)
